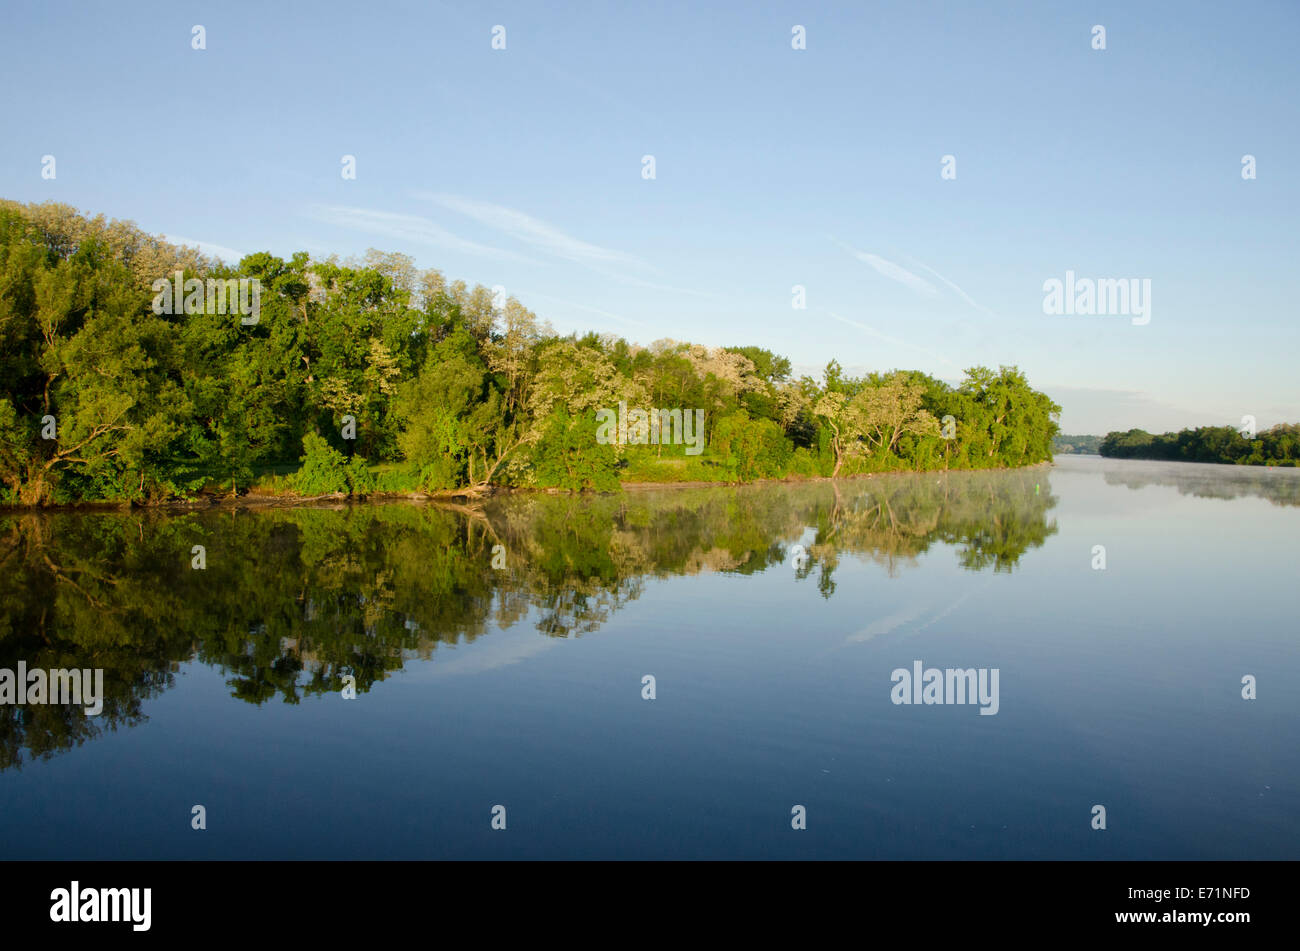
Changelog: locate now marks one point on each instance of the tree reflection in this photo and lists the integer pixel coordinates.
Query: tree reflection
(1280, 486)
(295, 600)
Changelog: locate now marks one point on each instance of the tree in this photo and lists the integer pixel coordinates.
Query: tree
(567, 454)
(889, 409)
(457, 388)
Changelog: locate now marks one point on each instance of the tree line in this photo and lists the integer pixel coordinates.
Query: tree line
(370, 375)
(1277, 446)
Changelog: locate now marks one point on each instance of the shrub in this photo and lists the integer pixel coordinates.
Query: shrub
(325, 470)
(568, 456)
(752, 448)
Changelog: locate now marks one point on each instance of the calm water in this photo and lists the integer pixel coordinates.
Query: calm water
(522, 685)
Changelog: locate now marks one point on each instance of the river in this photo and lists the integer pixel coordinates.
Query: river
(1134, 625)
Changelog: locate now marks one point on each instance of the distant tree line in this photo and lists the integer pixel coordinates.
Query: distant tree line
(1076, 444)
(1278, 446)
(370, 376)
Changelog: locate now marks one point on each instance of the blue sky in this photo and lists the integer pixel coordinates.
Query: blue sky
(774, 167)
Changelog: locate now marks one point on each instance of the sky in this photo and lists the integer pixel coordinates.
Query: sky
(774, 167)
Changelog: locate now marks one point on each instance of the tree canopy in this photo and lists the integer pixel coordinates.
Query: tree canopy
(371, 375)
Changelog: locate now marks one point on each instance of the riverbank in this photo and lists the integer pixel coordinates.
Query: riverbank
(255, 499)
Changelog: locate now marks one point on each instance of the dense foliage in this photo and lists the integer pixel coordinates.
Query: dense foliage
(1278, 446)
(371, 375)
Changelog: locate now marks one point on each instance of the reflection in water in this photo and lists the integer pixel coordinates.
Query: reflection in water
(1280, 486)
(293, 600)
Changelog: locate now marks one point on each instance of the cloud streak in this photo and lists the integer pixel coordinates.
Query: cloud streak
(895, 272)
(960, 293)
(593, 310)
(533, 231)
(411, 228)
(894, 340)
(550, 240)
(229, 255)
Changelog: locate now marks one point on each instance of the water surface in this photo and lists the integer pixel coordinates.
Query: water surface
(521, 685)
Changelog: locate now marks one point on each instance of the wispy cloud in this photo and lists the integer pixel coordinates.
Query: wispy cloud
(895, 272)
(551, 240)
(405, 228)
(592, 310)
(894, 340)
(653, 286)
(960, 293)
(533, 231)
(229, 255)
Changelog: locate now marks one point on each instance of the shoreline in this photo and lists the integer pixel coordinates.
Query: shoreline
(252, 500)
